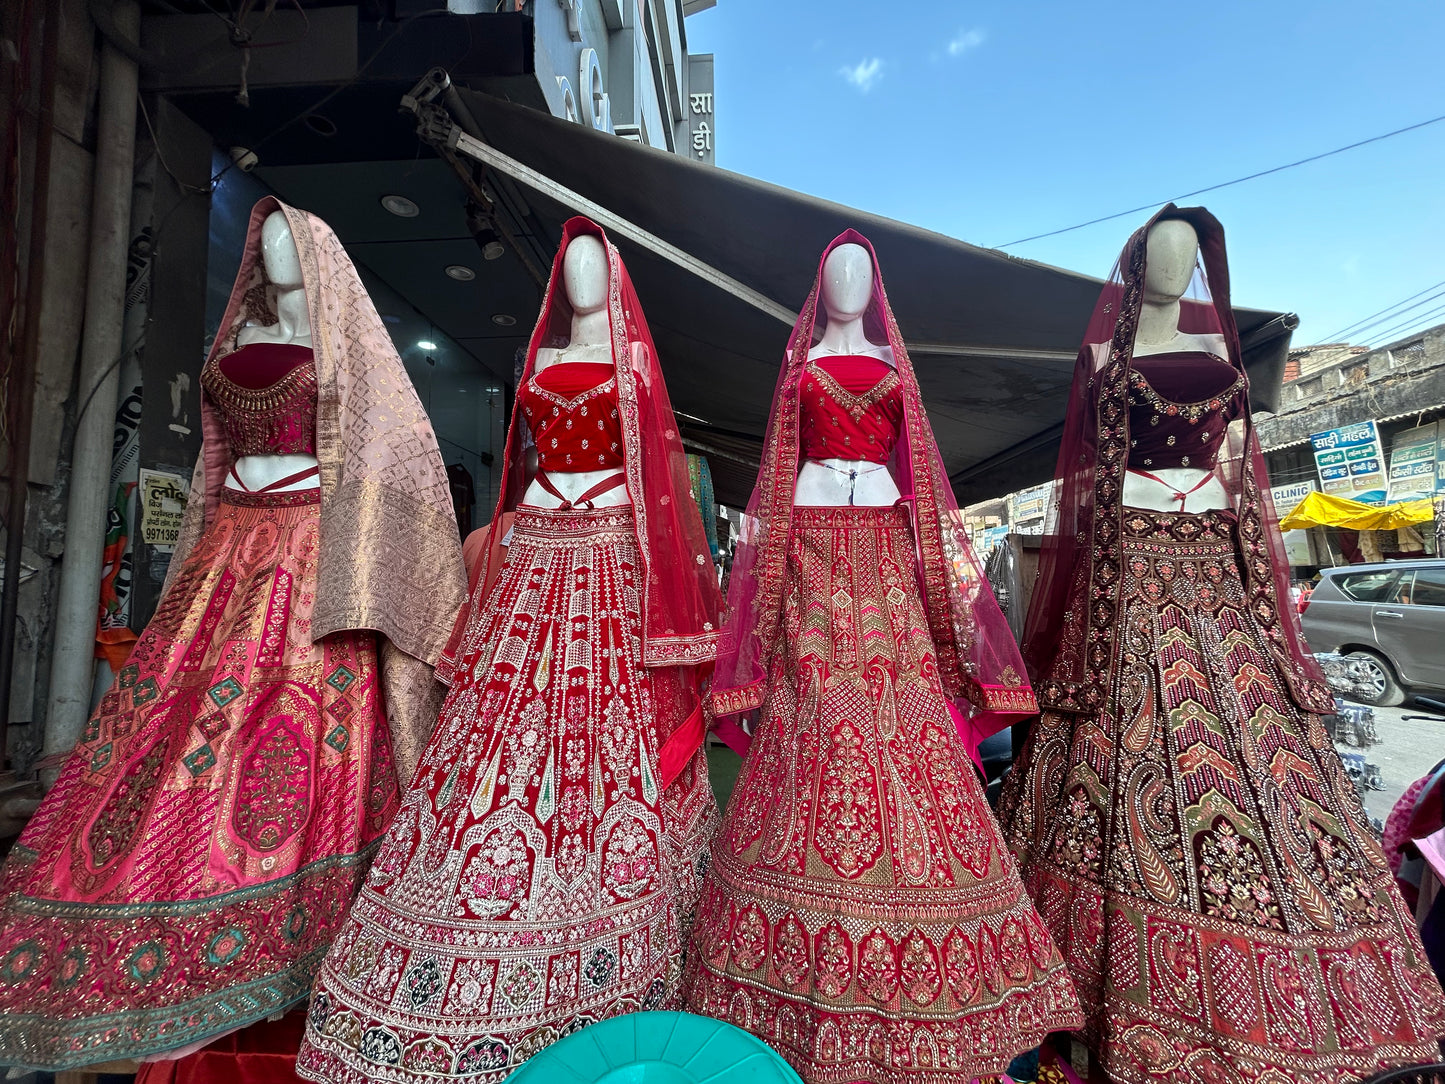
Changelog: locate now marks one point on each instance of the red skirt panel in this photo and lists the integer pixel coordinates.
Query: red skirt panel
(862, 914)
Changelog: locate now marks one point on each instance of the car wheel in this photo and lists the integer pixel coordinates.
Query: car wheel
(1383, 690)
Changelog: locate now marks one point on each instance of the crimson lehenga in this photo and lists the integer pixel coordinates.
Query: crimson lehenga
(545, 863)
(186, 873)
(1180, 815)
(862, 913)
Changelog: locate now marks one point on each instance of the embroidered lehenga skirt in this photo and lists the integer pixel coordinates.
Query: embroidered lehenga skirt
(1200, 856)
(186, 873)
(862, 914)
(538, 876)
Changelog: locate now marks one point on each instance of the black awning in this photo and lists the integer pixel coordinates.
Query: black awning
(993, 337)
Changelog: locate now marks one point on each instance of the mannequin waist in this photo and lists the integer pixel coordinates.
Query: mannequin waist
(572, 485)
(1174, 489)
(251, 473)
(833, 482)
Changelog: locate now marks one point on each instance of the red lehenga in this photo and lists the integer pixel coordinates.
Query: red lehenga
(184, 876)
(862, 913)
(1180, 815)
(547, 860)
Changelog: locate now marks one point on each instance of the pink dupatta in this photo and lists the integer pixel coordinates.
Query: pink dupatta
(390, 559)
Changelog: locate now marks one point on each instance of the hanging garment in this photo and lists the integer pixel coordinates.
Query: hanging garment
(862, 914)
(186, 873)
(547, 859)
(1180, 815)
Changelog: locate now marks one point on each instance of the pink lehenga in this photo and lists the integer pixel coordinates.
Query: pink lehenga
(184, 876)
(1179, 813)
(862, 913)
(547, 860)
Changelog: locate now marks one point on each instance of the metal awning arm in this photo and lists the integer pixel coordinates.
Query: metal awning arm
(454, 138)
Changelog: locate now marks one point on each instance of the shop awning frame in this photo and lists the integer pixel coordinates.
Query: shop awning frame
(996, 396)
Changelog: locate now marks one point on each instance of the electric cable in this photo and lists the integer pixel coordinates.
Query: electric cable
(1388, 308)
(1227, 184)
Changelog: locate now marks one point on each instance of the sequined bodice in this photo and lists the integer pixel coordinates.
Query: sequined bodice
(266, 396)
(851, 407)
(1180, 406)
(571, 409)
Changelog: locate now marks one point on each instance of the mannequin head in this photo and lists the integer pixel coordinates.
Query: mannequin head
(584, 274)
(1171, 254)
(847, 285)
(278, 253)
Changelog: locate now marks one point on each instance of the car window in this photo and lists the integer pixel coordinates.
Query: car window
(1366, 586)
(1429, 588)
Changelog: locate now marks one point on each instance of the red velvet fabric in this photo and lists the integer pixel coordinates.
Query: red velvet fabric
(260, 365)
(266, 395)
(851, 407)
(1180, 407)
(571, 408)
(263, 1053)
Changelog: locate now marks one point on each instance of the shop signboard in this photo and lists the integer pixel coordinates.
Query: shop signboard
(1296, 543)
(1028, 507)
(1412, 464)
(1350, 462)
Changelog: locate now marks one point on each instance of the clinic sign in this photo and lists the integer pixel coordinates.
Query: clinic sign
(1350, 462)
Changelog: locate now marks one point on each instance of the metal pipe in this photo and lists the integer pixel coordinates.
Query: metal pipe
(73, 664)
(21, 397)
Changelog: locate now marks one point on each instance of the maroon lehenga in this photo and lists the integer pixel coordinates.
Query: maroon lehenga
(862, 913)
(547, 860)
(186, 873)
(1179, 813)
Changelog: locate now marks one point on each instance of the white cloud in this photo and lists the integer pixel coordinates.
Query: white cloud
(966, 40)
(863, 75)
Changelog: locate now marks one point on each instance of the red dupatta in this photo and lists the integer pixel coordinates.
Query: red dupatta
(681, 603)
(1069, 634)
(978, 661)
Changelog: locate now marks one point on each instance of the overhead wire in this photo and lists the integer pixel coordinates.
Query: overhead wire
(1400, 330)
(1351, 328)
(1392, 317)
(1228, 184)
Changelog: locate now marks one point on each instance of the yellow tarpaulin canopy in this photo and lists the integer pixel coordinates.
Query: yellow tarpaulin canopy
(1322, 510)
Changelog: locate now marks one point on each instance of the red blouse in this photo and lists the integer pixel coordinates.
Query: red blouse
(851, 407)
(1180, 406)
(266, 395)
(571, 408)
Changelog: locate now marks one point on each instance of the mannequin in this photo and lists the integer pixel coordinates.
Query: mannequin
(845, 292)
(584, 276)
(1172, 253)
(292, 326)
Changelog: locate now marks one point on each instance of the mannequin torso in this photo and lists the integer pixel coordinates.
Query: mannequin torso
(846, 291)
(1172, 250)
(584, 274)
(293, 327)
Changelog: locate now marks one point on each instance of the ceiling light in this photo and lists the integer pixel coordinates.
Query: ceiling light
(493, 250)
(426, 344)
(400, 206)
(461, 272)
(502, 319)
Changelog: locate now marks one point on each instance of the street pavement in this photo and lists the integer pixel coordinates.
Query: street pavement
(1408, 749)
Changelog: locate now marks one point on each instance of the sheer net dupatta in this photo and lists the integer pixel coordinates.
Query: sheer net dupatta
(1073, 614)
(681, 604)
(390, 559)
(979, 665)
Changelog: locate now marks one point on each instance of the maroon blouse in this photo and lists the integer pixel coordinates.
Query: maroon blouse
(851, 407)
(1180, 405)
(266, 395)
(571, 408)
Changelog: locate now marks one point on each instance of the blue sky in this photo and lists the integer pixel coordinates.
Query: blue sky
(995, 121)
